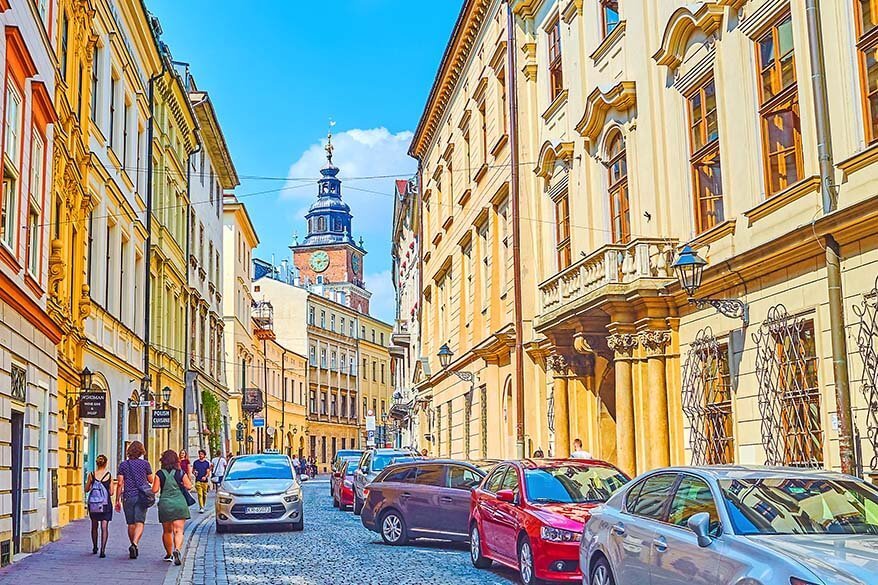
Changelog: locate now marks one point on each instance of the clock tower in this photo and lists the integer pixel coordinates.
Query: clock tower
(329, 257)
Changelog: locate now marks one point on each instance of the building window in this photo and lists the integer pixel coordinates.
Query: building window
(704, 158)
(483, 120)
(323, 403)
(504, 113)
(312, 403)
(12, 131)
(323, 358)
(65, 33)
(707, 401)
(609, 16)
(374, 371)
(562, 231)
(373, 336)
(333, 361)
(867, 42)
(310, 315)
(365, 367)
(36, 197)
(332, 323)
(779, 107)
(344, 406)
(620, 213)
(323, 319)
(95, 84)
(556, 76)
(112, 137)
(334, 405)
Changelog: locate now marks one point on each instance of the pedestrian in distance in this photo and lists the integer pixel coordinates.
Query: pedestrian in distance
(303, 465)
(538, 454)
(201, 471)
(425, 453)
(99, 487)
(134, 493)
(578, 453)
(185, 464)
(218, 469)
(173, 487)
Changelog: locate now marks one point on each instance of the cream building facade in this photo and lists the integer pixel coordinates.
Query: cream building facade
(377, 379)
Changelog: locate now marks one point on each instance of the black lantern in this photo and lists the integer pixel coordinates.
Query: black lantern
(690, 269)
(445, 354)
(85, 379)
(166, 394)
(144, 387)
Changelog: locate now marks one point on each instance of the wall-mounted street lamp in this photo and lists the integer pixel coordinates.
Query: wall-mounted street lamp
(690, 270)
(86, 378)
(445, 354)
(166, 395)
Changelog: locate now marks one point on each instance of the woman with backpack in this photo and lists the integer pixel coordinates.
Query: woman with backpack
(134, 493)
(173, 487)
(100, 510)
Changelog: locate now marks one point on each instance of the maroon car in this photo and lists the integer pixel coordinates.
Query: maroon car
(403, 501)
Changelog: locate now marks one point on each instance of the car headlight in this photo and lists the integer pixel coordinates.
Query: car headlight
(559, 535)
(223, 497)
(292, 495)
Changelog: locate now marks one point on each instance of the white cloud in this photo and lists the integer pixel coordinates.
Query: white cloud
(359, 153)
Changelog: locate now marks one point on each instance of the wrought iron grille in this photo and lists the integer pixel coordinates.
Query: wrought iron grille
(867, 342)
(789, 395)
(550, 412)
(483, 422)
(467, 423)
(19, 383)
(707, 400)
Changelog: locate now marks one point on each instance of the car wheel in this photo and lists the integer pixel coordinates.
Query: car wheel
(358, 505)
(526, 563)
(601, 573)
(479, 560)
(393, 529)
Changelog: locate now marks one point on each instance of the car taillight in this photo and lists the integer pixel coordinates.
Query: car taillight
(365, 492)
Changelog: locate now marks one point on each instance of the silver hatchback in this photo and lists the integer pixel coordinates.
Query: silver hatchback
(727, 525)
(259, 490)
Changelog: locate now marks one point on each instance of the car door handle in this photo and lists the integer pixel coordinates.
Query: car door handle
(445, 500)
(618, 529)
(405, 495)
(660, 544)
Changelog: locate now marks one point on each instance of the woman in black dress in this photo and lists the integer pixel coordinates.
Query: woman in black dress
(103, 518)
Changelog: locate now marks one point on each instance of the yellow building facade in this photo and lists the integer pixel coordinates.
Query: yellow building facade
(377, 379)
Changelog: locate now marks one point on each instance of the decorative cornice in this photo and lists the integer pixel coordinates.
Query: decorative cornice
(609, 41)
(681, 25)
(526, 8)
(622, 343)
(785, 197)
(599, 103)
(530, 66)
(571, 11)
(549, 153)
(559, 102)
(557, 363)
(655, 342)
(733, 4)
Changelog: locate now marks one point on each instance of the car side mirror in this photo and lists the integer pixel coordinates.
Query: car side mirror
(507, 496)
(700, 525)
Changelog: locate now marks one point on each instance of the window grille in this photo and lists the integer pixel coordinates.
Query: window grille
(483, 416)
(19, 383)
(707, 400)
(867, 342)
(789, 394)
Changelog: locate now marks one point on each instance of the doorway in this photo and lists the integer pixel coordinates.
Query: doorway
(17, 421)
(89, 451)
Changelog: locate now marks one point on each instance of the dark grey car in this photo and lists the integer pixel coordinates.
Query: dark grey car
(422, 499)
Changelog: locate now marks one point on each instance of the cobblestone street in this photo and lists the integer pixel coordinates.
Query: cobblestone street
(334, 548)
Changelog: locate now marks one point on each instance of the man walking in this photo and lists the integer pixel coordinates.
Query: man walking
(218, 468)
(201, 468)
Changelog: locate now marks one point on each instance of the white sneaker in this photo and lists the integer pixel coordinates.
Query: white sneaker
(201, 510)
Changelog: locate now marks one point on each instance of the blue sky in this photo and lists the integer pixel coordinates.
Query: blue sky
(278, 70)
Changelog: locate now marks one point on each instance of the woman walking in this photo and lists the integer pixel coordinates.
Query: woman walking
(134, 493)
(170, 483)
(99, 488)
(185, 464)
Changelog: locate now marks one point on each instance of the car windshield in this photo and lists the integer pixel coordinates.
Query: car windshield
(800, 506)
(572, 483)
(382, 460)
(259, 468)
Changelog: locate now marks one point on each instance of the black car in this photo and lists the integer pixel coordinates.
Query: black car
(429, 498)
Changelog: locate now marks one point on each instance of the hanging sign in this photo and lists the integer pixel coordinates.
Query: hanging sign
(93, 404)
(252, 400)
(161, 418)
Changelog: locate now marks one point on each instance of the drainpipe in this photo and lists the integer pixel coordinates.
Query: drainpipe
(188, 308)
(833, 251)
(511, 75)
(147, 284)
(283, 398)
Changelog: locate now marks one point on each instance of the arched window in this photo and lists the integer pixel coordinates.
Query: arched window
(321, 224)
(620, 213)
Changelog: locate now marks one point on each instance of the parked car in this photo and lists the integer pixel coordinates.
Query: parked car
(337, 460)
(259, 490)
(343, 496)
(370, 465)
(429, 498)
(735, 524)
(529, 515)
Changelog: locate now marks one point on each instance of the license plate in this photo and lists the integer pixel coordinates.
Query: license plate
(257, 509)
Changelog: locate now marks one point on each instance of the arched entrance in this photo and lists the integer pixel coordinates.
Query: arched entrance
(508, 420)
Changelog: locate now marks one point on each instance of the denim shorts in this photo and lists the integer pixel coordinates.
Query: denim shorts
(135, 512)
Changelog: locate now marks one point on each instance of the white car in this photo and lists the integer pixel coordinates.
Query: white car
(734, 525)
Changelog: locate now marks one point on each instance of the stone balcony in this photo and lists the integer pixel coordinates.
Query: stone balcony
(611, 271)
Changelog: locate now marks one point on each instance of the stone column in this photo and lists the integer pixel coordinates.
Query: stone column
(656, 402)
(623, 344)
(558, 364)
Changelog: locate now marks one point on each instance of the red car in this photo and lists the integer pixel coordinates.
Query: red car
(343, 489)
(529, 515)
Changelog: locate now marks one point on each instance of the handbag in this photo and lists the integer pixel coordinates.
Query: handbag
(145, 496)
(190, 501)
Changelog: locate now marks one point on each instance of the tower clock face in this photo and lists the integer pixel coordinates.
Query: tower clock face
(320, 261)
(355, 263)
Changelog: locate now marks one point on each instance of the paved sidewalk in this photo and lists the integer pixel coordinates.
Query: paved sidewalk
(69, 559)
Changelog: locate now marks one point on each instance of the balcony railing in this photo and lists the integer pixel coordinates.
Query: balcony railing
(644, 258)
(263, 319)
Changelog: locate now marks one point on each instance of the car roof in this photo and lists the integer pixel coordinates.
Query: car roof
(262, 456)
(384, 451)
(718, 472)
(343, 452)
(549, 462)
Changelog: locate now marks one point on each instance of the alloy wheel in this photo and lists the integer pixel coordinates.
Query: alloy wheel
(525, 563)
(475, 544)
(392, 528)
(600, 576)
